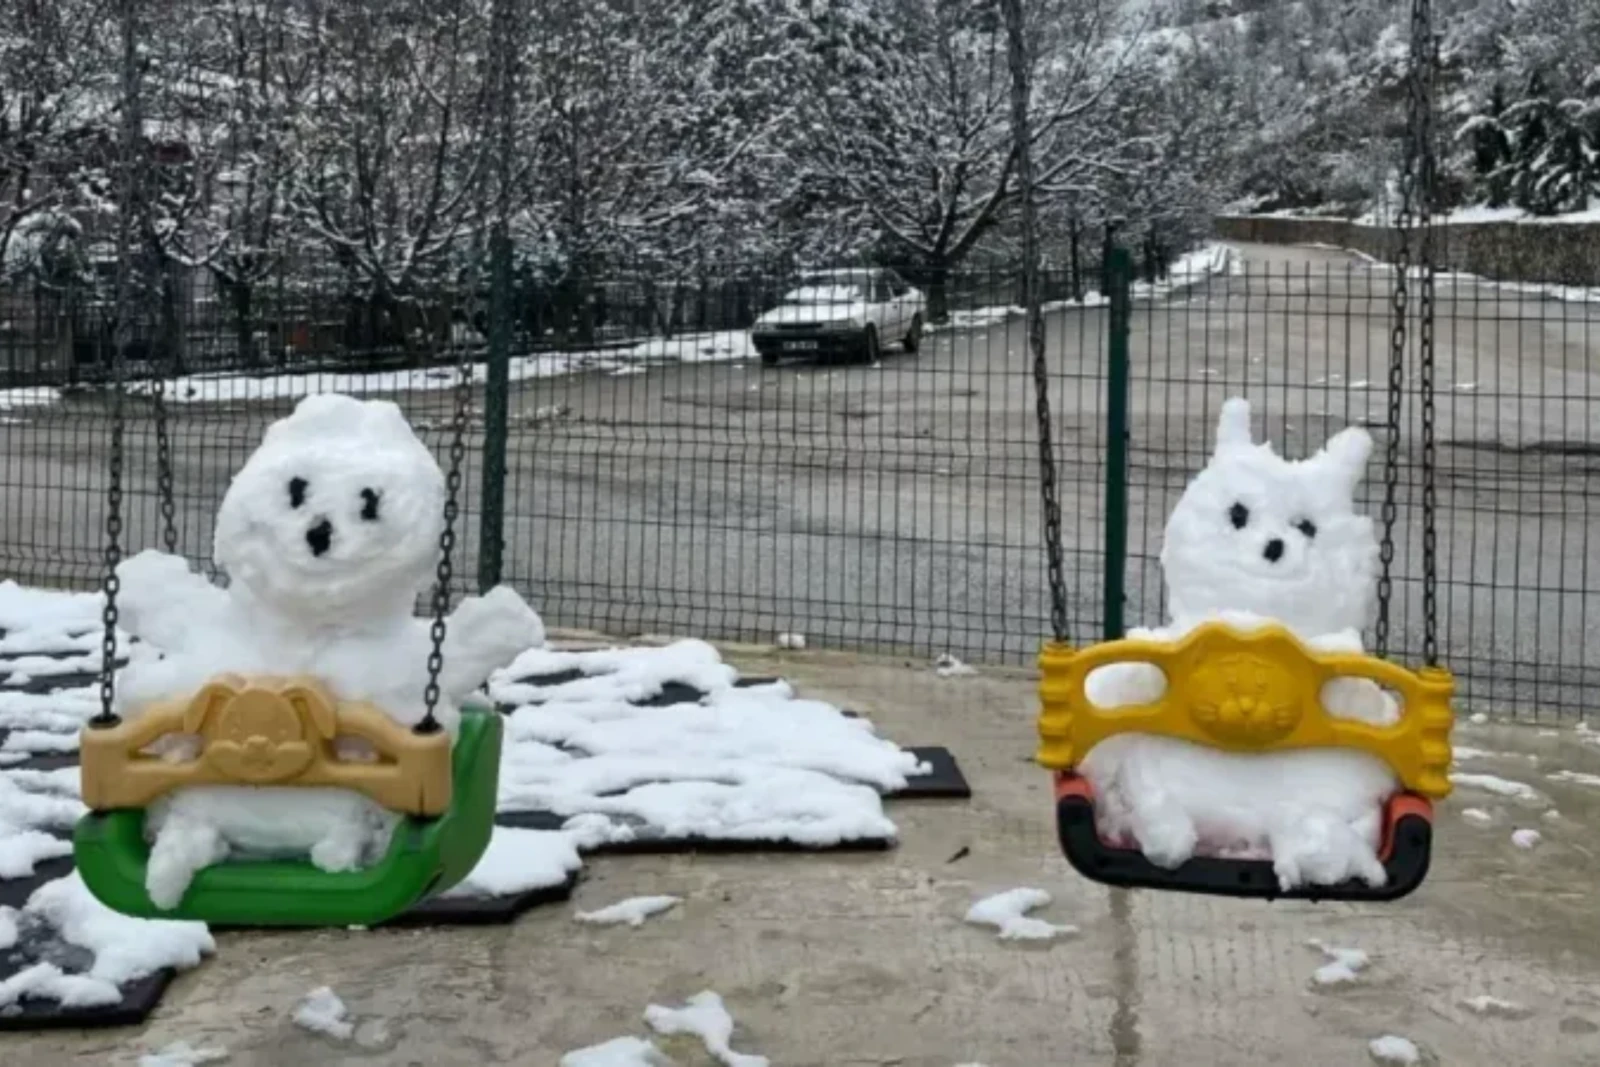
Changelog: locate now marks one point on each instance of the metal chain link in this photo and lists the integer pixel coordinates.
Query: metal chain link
(1428, 60)
(113, 555)
(1397, 354)
(121, 334)
(447, 539)
(164, 492)
(1020, 63)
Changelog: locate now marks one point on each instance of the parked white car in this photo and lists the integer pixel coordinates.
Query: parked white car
(851, 313)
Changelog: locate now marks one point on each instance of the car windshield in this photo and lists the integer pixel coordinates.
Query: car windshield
(831, 293)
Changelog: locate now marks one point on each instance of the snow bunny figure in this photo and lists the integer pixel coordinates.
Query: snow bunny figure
(328, 533)
(1257, 539)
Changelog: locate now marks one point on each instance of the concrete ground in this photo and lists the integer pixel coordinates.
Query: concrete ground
(834, 961)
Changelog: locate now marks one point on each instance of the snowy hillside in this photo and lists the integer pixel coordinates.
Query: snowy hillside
(1319, 97)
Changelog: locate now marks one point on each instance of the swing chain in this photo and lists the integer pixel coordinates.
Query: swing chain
(447, 538)
(1427, 59)
(1021, 67)
(164, 496)
(1413, 152)
(107, 715)
(120, 336)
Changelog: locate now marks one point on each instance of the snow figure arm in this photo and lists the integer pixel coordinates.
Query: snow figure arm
(163, 602)
(484, 634)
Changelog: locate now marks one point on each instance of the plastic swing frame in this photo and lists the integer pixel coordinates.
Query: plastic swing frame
(1211, 672)
(426, 856)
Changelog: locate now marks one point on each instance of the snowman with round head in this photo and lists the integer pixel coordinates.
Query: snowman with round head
(1257, 539)
(328, 534)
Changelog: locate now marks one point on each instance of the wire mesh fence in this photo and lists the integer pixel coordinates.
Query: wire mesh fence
(662, 476)
(1308, 342)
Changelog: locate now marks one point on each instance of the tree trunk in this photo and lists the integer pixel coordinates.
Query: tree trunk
(241, 296)
(938, 292)
(1075, 259)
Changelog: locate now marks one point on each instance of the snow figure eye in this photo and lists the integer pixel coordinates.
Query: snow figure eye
(1307, 527)
(369, 505)
(297, 492)
(1239, 515)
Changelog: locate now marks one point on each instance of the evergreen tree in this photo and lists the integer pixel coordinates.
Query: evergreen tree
(1490, 145)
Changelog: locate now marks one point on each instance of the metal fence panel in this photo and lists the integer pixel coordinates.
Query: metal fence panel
(660, 478)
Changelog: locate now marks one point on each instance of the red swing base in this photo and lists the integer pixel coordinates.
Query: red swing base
(1405, 853)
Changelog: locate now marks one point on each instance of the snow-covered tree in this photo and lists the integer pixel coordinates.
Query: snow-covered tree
(57, 95)
(389, 143)
(910, 142)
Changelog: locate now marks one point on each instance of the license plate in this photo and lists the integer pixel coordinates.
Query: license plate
(799, 346)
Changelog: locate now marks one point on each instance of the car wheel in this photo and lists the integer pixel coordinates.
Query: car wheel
(869, 344)
(913, 336)
(769, 358)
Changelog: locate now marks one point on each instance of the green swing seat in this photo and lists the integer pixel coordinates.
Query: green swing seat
(426, 856)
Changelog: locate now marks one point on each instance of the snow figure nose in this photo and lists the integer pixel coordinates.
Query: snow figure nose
(1273, 551)
(320, 537)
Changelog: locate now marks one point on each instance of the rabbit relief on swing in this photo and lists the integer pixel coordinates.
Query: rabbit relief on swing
(1257, 539)
(327, 534)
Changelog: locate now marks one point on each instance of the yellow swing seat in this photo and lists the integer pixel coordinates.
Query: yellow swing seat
(1255, 691)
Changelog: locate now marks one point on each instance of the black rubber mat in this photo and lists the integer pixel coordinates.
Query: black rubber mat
(648, 843)
(946, 782)
(38, 943)
(139, 998)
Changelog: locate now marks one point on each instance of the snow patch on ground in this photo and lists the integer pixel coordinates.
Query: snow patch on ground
(1477, 816)
(1575, 778)
(749, 763)
(1190, 270)
(124, 949)
(183, 1054)
(1525, 838)
(322, 1012)
(618, 1052)
(1393, 1051)
(1007, 912)
(1343, 966)
(222, 387)
(1495, 1007)
(519, 860)
(948, 666)
(1503, 787)
(633, 911)
(706, 1017)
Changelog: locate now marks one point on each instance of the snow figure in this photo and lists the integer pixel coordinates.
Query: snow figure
(1257, 539)
(328, 533)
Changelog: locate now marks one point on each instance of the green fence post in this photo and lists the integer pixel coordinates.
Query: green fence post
(1119, 278)
(496, 398)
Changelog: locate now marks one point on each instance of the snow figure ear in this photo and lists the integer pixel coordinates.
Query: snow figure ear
(1344, 458)
(1233, 425)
